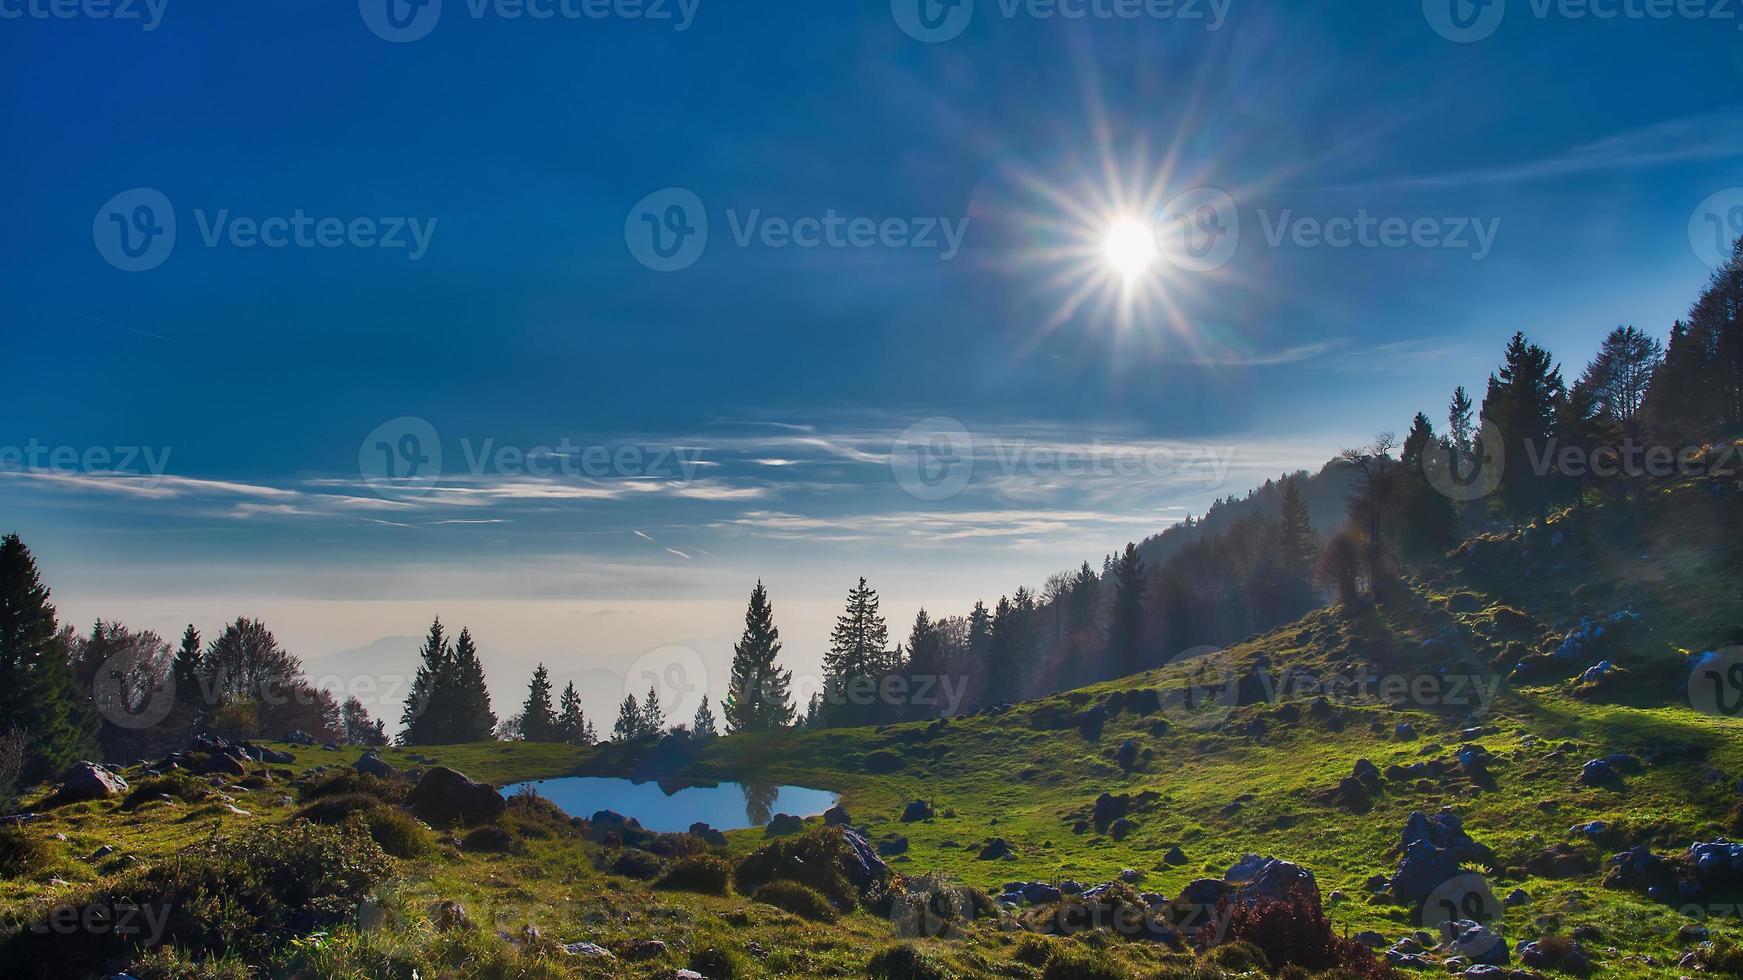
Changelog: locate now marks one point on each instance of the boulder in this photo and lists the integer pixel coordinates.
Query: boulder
(371, 764)
(892, 846)
(1277, 880)
(444, 797)
(1474, 942)
(782, 825)
(299, 737)
(1041, 893)
(996, 849)
(1120, 828)
(1109, 808)
(89, 781)
(606, 823)
(1434, 848)
(836, 816)
(220, 763)
(713, 837)
(916, 811)
(1127, 755)
(1598, 772)
(860, 864)
(1174, 857)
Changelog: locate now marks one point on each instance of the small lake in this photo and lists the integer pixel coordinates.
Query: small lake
(671, 806)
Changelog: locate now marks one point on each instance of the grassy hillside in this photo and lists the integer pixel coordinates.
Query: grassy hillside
(1467, 655)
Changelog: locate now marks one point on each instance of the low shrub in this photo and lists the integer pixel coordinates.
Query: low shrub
(718, 963)
(640, 865)
(906, 962)
(1082, 964)
(398, 833)
(488, 840)
(21, 851)
(801, 900)
(176, 785)
(334, 810)
(704, 873)
(813, 858)
(881, 762)
(345, 782)
(1722, 958)
(1118, 907)
(241, 896)
(529, 815)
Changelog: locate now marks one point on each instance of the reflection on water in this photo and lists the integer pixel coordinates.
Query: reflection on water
(759, 802)
(671, 806)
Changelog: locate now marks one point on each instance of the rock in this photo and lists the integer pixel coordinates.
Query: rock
(444, 796)
(1434, 848)
(221, 764)
(1109, 808)
(713, 837)
(299, 737)
(1353, 793)
(1516, 898)
(1174, 857)
(688, 975)
(589, 950)
(1694, 932)
(1090, 723)
(893, 846)
(1277, 880)
(1367, 772)
(1598, 772)
(606, 823)
(89, 781)
(1120, 828)
(1474, 941)
(1040, 893)
(861, 865)
(1127, 755)
(1596, 672)
(996, 849)
(836, 816)
(371, 764)
(916, 811)
(1370, 939)
(1560, 861)
(1131, 876)
(101, 853)
(1203, 893)
(1404, 731)
(783, 824)
(645, 949)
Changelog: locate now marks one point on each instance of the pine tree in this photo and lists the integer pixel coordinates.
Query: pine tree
(465, 713)
(1003, 633)
(703, 727)
(629, 720)
(538, 721)
(1673, 408)
(1458, 421)
(1619, 374)
(1125, 651)
(653, 716)
(1429, 523)
(857, 659)
(759, 693)
(420, 722)
(38, 695)
(1300, 543)
(571, 722)
(980, 632)
(186, 674)
(1523, 399)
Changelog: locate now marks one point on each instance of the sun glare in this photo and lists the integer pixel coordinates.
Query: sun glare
(1130, 247)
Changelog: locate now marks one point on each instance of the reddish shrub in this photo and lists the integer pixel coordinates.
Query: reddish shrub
(1293, 931)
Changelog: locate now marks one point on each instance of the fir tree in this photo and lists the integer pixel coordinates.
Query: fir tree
(571, 722)
(419, 722)
(653, 717)
(466, 713)
(1300, 543)
(703, 726)
(1125, 651)
(38, 695)
(858, 657)
(759, 693)
(538, 721)
(1460, 428)
(1523, 400)
(629, 720)
(186, 674)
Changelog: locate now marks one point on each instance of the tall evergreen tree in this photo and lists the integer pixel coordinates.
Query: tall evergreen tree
(1125, 629)
(1460, 427)
(629, 720)
(571, 722)
(1300, 543)
(998, 667)
(1619, 374)
(37, 692)
(420, 722)
(1523, 400)
(1673, 408)
(759, 694)
(653, 716)
(857, 659)
(185, 673)
(1429, 523)
(538, 720)
(703, 726)
(465, 711)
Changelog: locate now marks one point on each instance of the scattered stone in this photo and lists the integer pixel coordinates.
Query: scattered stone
(444, 796)
(1434, 848)
(299, 737)
(1516, 898)
(997, 849)
(916, 811)
(590, 950)
(89, 781)
(1120, 828)
(1109, 808)
(1127, 755)
(893, 846)
(101, 853)
(1370, 939)
(1039, 893)
(836, 816)
(1474, 941)
(1174, 856)
(783, 824)
(371, 764)
(1404, 731)
(713, 837)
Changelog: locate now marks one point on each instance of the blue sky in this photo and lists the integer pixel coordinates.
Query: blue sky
(525, 152)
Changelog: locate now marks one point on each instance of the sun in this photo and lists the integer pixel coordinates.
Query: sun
(1129, 247)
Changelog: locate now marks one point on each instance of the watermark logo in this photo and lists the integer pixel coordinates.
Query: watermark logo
(1463, 475)
(1206, 693)
(1716, 683)
(400, 21)
(932, 21)
(146, 13)
(1465, 897)
(1199, 230)
(676, 674)
(1464, 21)
(401, 457)
(667, 230)
(1715, 224)
(130, 694)
(933, 459)
(135, 230)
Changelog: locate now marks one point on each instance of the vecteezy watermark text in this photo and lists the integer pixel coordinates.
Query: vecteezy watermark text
(36, 457)
(146, 13)
(936, 21)
(403, 21)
